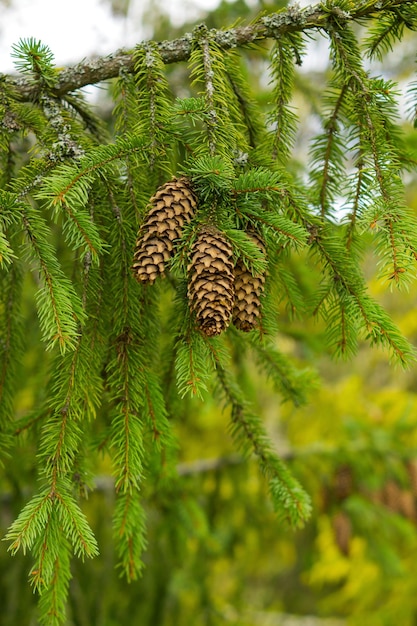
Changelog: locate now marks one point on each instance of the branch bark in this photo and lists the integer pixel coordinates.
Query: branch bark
(273, 26)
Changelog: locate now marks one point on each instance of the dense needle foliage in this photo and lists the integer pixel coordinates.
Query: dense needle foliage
(119, 358)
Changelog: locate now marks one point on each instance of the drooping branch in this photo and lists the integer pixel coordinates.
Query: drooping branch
(273, 26)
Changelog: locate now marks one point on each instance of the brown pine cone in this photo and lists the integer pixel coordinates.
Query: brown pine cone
(248, 289)
(173, 205)
(342, 529)
(210, 285)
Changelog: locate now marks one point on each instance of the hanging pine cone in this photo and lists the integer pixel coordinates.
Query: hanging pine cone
(342, 528)
(391, 496)
(210, 287)
(343, 482)
(173, 204)
(248, 288)
(412, 473)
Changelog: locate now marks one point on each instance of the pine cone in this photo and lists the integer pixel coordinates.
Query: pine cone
(248, 288)
(173, 204)
(408, 505)
(412, 473)
(342, 528)
(210, 286)
(343, 482)
(391, 496)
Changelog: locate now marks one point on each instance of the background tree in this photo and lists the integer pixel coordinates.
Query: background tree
(125, 372)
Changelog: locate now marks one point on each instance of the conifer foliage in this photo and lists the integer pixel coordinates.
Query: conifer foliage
(195, 186)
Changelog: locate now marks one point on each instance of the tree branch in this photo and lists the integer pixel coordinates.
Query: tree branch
(271, 26)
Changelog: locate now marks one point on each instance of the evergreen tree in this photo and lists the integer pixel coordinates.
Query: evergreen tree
(157, 255)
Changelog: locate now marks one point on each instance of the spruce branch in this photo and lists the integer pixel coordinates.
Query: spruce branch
(135, 397)
(59, 308)
(35, 59)
(283, 120)
(156, 412)
(70, 183)
(328, 152)
(191, 364)
(362, 116)
(290, 501)
(129, 525)
(292, 384)
(12, 340)
(154, 102)
(388, 29)
(223, 116)
(208, 76)
(53, 599)
(250, 113)
(127, 423)
(355, 202)
(272, 26)
(73, 394)
(345, 293)
(50, 525)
